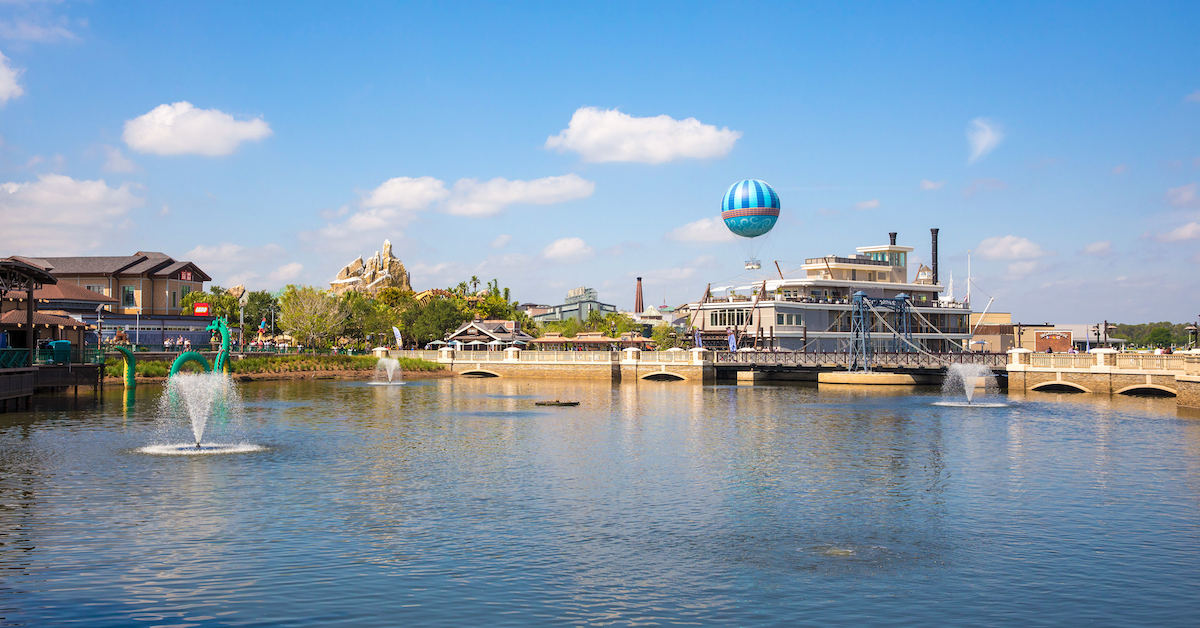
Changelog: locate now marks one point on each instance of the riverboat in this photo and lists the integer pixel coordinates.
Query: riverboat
(813, 312)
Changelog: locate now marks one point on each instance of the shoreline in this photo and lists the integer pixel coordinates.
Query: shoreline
(296, 375)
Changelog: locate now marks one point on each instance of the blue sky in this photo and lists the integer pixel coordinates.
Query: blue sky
(551, 146)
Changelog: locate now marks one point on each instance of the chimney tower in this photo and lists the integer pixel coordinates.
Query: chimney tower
(637, 300)
(892, 237)
(935, 274)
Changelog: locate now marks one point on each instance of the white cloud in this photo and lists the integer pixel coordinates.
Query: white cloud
(1099, 249)
(115, 161)
(24, 30)
(828, 212)
(9, 88)
(871, 204)
(984, 136)
(568, 250)
(287, 273)
(58, 215)
(1190, 231)
(501, 241)
(1184, 195)
(1017, 270)
(474, 198)
(703, 230)
(1120, 169)
(233, 264)
(386, 209)
(1010, 247)
(601, 135)
(1193, 97)
(182, 129)
(926, 184)
(165, 211)
(407, 193)
(683, 272)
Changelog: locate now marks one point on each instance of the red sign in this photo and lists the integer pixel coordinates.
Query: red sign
(185, 275)
(200, 309)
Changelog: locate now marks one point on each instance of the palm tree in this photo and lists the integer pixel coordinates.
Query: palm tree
(474, 283)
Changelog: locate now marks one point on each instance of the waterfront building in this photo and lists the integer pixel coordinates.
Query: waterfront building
(493, 334)
(146, 283)
(813, 312)
(579, 304)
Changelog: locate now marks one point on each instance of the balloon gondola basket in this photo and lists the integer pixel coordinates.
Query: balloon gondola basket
(753, 264)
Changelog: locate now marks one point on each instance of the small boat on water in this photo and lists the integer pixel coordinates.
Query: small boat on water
(556, 403)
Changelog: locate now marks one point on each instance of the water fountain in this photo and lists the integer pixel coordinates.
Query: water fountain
(967, 380)
(195, 401)
(387, 373)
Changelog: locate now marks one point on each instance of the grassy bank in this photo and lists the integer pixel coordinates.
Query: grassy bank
(278, 364)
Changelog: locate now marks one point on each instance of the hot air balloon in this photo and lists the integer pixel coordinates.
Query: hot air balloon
(750, 209)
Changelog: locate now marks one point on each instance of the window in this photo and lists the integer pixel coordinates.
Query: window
(127, 297)
(184, 291)
(727, 318)
(786, 318)
(97, 289)
(174, 299)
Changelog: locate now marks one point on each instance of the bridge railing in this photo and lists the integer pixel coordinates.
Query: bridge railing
(569, 356)
(1149, 361)
(666, 356)
(1062, 360)
(879, 358)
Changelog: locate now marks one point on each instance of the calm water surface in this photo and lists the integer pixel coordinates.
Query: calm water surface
(459, 502)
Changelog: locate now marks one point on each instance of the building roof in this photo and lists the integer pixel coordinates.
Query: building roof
(18, 318)
(15, 271)
(494, 329)
(142, 262)
(62, 292)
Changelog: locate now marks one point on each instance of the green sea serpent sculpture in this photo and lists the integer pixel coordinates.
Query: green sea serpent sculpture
(130, 366)
(220, 365)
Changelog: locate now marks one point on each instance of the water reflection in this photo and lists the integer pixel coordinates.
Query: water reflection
(461, 502)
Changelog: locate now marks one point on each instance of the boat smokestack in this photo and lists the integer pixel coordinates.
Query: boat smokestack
(935, 274)
(892, 237)
(637, 299)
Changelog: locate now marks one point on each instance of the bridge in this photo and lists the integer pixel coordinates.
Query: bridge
(1103, 371)
(692, 365)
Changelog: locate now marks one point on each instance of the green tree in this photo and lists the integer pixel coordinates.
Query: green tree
(220, 302)
(664, 337)
(396, 298)
(424, 324)
(1159, 337)
(259, 305)
(313, 317)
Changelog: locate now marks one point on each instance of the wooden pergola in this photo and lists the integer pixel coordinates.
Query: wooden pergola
(17, 274)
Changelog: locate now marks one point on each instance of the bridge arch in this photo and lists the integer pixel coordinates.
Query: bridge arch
(478, 372)
(663, 376)
(1059, 386)
(1147, 390)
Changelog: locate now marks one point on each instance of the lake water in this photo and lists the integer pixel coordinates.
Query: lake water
(457, 502)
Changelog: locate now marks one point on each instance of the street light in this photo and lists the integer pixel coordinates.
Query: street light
(1191, 330)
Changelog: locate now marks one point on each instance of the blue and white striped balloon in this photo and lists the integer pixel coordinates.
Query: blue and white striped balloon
(750, 208)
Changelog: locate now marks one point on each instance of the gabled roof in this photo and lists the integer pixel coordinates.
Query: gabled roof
(62, 292)
(19, 318)
(158, 264)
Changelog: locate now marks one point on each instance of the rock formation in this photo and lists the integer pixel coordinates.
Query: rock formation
(383, 270)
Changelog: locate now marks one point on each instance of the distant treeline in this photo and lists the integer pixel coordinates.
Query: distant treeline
(1153, 334)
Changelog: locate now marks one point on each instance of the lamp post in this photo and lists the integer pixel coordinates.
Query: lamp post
(1191, 330)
